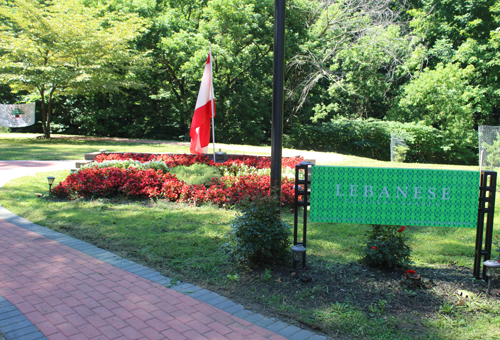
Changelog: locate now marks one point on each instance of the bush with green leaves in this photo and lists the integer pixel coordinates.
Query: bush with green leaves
(372, 138)
(195, 174)
(258, 234)
(400, 153)
(387, 247)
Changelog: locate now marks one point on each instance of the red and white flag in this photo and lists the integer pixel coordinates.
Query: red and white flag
(204, 111)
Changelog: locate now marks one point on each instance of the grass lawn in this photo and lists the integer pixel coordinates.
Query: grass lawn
(16, 146)
(344, 299)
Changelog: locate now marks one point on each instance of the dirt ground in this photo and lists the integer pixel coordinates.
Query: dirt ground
(376, 292)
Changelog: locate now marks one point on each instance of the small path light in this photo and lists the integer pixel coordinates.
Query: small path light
(102, 151)
(50, 180)
(73, 171)
(298, 252)
(491, 267)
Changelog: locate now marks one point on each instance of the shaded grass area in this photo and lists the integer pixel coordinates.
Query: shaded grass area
(29, 148)
(344, 299)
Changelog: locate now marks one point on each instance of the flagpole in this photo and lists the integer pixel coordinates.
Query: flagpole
(212, 99)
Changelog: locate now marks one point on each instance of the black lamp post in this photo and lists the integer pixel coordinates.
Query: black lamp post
(50, 180)
(298, 252)
(278, 97)
(491, 267)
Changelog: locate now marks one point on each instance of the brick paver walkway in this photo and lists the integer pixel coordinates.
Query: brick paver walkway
(68, 294)
(55, 287)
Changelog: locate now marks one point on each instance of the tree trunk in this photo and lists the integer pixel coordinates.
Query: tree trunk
(46, 111)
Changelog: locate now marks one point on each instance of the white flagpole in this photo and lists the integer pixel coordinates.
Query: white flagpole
(212, 98)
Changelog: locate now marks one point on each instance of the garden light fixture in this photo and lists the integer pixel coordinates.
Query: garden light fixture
(102, 151)
(298, 252)
(50, 180)
(491, 267)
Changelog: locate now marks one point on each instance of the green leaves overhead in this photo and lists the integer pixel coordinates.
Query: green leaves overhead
(65, 47)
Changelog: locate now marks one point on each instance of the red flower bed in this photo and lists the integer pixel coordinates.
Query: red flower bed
(227, 190)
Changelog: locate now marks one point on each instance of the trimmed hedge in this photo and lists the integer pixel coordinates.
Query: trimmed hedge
(371, 138)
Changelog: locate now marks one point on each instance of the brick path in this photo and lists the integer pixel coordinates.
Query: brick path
(55, 287)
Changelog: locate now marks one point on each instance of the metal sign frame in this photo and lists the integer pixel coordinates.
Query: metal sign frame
(486, 212)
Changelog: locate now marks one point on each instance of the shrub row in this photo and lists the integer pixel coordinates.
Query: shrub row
(372, 138)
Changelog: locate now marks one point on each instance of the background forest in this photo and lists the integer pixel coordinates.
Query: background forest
(356, 70)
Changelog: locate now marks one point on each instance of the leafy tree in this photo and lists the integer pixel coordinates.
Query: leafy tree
(241, 33)
(443, 98)
(356, 50)
(54, 47)
(464, 33)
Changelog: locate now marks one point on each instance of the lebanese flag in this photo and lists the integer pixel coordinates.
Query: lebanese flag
(200, 126)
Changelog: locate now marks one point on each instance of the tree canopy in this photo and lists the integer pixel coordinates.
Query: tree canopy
(435, 62)
(54, 48)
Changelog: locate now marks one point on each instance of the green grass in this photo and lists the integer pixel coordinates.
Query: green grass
(176, 238)
(183, 242)
(196, 173)
(26, 146)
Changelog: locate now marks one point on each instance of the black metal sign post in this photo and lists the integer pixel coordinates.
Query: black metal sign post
(486, 212)
(302, 188)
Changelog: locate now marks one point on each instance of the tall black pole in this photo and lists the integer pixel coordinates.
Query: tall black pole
(278, 97)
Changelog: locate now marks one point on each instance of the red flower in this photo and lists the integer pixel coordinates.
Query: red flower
(409, 271)
(401, 229)
(224, 191)
(374, 248)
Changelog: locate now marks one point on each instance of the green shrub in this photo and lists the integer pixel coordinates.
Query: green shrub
(362, 138)
(258, 235)
(372, 138)
(400, 153)
(387, 247)
(196, 173)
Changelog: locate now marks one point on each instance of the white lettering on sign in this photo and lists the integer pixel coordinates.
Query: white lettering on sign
(398, 192)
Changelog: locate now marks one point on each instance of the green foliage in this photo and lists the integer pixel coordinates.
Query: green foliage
(258, 235)
(155, 165)
(196, 173)
(492, 153)
(444, 99)
(496, 243)
(364, 138)
(53, 48)
(400, 153)
(387, 247)
(372, 138)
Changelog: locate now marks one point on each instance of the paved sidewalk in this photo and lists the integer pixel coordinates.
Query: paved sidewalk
(54, 287)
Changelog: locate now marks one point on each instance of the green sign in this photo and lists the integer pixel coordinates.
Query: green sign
(442, 198)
